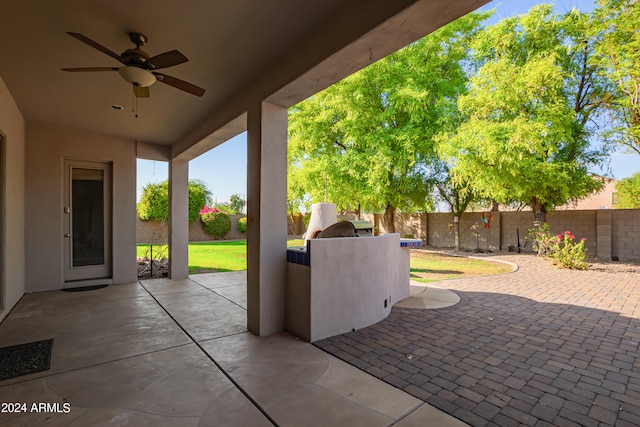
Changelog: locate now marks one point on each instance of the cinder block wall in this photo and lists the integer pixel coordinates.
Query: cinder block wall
(151, 232)
(608, 232)
(412, 224)
(625, 233)
(513, 223)
(157, 232)
(439, 233)
(580, 223)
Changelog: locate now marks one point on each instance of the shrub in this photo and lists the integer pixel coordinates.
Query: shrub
(543, 241)
(154, 202)
(562, 249)
(569, 254)
(242, 225)
(216, 224)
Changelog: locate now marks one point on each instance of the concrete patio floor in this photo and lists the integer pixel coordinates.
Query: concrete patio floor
(177, 353)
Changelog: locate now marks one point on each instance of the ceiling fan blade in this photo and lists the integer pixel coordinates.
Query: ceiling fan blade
(167, 59)
(180, 84)
(96, 45)
(73, 70)
(141, 91)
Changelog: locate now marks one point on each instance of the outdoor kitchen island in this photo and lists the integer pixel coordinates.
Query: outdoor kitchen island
(336, 285)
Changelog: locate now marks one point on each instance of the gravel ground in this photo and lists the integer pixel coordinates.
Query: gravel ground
(532, 261)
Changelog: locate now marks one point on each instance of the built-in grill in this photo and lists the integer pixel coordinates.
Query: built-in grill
(362, 228)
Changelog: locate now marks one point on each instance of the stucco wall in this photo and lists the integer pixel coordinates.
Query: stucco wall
(12, 129)
(47, 147)
(341, 300)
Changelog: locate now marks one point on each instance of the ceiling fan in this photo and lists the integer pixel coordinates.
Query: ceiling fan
(139, 68)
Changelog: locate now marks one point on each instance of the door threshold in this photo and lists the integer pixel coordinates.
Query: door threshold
(89, 282)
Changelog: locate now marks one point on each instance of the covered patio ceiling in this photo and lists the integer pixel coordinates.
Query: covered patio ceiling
(239, 52)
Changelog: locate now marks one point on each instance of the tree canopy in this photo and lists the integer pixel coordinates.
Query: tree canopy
(509, 113)
(628, 193)
(525, 133)
(368, 141)
(617, 55)
(154, 202)
(234, 206)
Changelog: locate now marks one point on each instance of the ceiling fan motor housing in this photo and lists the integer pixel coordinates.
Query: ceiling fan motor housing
(137, 57)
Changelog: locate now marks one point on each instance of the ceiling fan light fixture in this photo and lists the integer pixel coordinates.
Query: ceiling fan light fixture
(137, 76)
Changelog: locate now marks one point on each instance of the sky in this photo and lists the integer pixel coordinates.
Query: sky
(224, 169)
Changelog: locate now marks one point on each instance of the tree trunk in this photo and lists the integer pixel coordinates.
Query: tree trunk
(456, 234)
(389, 219)
(538, 206)
(292, 224)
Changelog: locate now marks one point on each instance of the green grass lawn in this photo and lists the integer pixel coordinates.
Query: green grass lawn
(429, 267)
(208, 257)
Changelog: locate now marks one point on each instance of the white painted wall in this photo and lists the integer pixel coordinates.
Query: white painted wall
(346, 286)
(47, 148)
(12, 128)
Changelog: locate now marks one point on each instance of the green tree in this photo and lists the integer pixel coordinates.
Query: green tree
(366, 142)
(234, 206)
(237, 203)
(615, 28)
(154, 202)
(628, 192)
(525, 134)
(199, 195)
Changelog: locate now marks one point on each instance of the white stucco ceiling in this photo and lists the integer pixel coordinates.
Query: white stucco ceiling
(230, 45)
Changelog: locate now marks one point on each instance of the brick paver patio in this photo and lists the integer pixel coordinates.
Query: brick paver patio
(533, 347)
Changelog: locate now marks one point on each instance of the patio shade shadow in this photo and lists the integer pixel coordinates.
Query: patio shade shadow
(506, 359)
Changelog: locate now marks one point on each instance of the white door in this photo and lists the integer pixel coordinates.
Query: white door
(87, 220)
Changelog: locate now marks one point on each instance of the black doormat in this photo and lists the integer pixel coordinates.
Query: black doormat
(24, 359)
(84, 288)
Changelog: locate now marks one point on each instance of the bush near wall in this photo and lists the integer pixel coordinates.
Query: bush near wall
(242, 225)
(216, 224)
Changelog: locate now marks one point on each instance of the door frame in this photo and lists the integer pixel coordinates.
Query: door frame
(73, 274)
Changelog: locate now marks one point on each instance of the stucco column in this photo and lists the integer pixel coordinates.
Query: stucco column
(266, 218)
(178, 219)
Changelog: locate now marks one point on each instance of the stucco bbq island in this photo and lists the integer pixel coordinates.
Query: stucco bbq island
(338, 284)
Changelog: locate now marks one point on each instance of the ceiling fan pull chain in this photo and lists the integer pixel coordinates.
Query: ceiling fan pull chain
(135, 102)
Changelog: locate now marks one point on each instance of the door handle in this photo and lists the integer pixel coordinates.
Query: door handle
(67, 235)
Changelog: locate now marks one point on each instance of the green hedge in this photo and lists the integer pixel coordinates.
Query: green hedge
(216, 224)
(242, 225)
(154, 202)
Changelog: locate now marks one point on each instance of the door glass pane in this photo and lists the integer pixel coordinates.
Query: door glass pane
(87, 213)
